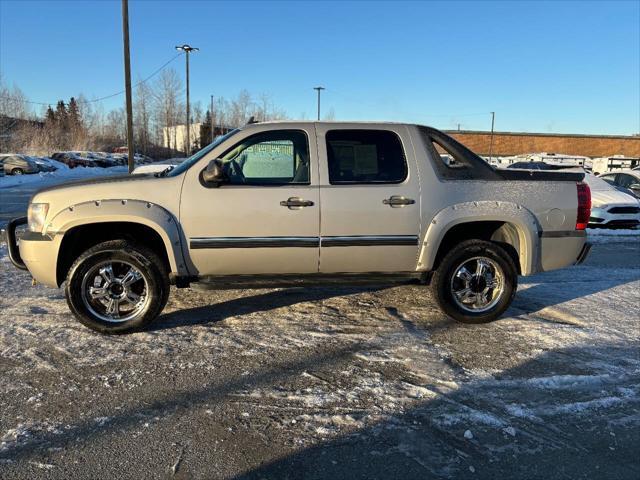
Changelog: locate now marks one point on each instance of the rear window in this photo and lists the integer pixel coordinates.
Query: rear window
(365, 156)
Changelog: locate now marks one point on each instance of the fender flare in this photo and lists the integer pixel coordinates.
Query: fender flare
(140, 212)
(522, 219)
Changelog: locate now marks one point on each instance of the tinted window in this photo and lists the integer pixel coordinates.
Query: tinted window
(365, 156)
(269, 158)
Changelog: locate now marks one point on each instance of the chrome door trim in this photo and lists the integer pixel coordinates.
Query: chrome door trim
(309, 242)
(253, 242)
(370, 241)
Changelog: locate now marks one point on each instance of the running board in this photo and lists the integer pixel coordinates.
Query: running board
(239, 282)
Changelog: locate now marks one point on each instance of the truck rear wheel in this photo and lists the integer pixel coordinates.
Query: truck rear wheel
(117, 287)
(475, 282)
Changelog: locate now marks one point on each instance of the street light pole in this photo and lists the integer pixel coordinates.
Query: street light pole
(319, 89)
(493, 119)
(127, 83)
(187, 49)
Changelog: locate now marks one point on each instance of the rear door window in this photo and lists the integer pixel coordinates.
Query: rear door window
(365, 156)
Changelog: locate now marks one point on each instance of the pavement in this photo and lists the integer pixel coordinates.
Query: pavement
(330, 383)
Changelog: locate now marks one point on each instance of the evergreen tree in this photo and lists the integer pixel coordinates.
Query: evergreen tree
(50, 116)
(61, 115)
(74, 121)
(205, 129)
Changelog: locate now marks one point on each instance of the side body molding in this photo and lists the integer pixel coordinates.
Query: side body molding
(122, 210)
(523, 220)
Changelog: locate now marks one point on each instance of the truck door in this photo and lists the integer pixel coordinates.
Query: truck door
(370, 196)
(265, 217)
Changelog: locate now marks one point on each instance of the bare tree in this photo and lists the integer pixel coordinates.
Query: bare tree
(142, 116)
(168, 107)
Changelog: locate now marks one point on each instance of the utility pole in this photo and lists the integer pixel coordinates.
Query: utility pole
(319, 89)
(127, 83)
(493, 119)
(211, 118)
(187, 49)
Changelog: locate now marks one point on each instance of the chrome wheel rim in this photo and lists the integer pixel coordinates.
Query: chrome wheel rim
(477, 284)
(115, 291)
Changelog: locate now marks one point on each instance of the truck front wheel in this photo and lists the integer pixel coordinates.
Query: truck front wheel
(475, 282)
(117, 287)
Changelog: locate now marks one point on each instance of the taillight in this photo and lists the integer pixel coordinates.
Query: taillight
(584, 206)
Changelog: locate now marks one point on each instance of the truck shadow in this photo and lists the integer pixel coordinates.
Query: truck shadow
(541, 292)
(246, 305)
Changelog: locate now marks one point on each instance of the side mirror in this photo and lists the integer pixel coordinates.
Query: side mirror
(213, 175)
(635, 186)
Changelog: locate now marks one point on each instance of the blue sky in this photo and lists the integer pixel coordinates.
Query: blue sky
(541, 66)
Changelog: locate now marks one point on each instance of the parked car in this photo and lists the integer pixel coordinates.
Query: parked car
(16, 164)
(611, 208)
(72, 160)
(44, 164)
(627, 179)
(305, 203)
(533, 165)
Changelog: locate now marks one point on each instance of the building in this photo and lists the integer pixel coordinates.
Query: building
(175, 137)
(513, 143)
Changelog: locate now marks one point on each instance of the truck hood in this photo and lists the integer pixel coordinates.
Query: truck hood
(611, 197)
(95, 181)
(162, 191)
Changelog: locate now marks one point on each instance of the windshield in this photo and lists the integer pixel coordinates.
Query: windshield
(184, 166)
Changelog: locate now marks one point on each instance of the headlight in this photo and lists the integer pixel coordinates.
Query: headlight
(36, 215)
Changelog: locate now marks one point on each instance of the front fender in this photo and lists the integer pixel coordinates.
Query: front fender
(522, 219)
(132, 211)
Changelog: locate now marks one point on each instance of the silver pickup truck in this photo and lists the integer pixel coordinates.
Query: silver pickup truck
(298, 203)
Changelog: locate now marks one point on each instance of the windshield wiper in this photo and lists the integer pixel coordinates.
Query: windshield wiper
(164, 172)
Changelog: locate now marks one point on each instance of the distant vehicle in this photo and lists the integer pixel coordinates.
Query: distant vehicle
(614, 163)
(611, 208)
(538, 166)
(98, 159)
(627, 179)
(559, 159)
(15, 164)
(44, 164)
(72, 160)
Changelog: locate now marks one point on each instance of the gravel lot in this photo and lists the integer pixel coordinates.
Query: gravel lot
(330, 383)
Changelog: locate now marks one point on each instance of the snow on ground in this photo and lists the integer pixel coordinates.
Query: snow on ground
(558, 376)
(64, 173)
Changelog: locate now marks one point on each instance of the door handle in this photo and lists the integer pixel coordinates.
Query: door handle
(396, 201)
(296, 203)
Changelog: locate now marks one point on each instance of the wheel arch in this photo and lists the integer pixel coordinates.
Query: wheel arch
(90, 223)
(510, 225)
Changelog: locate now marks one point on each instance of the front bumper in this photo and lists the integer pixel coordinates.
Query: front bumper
(34, 252)
(12, 243)
(601, 217)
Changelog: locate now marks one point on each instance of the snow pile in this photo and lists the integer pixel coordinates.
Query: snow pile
(63, 174)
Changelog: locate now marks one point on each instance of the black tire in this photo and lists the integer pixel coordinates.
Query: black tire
(17, 171)
(153, 275)
(441, 284)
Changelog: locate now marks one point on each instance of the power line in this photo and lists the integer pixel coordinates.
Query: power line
(46, 104)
